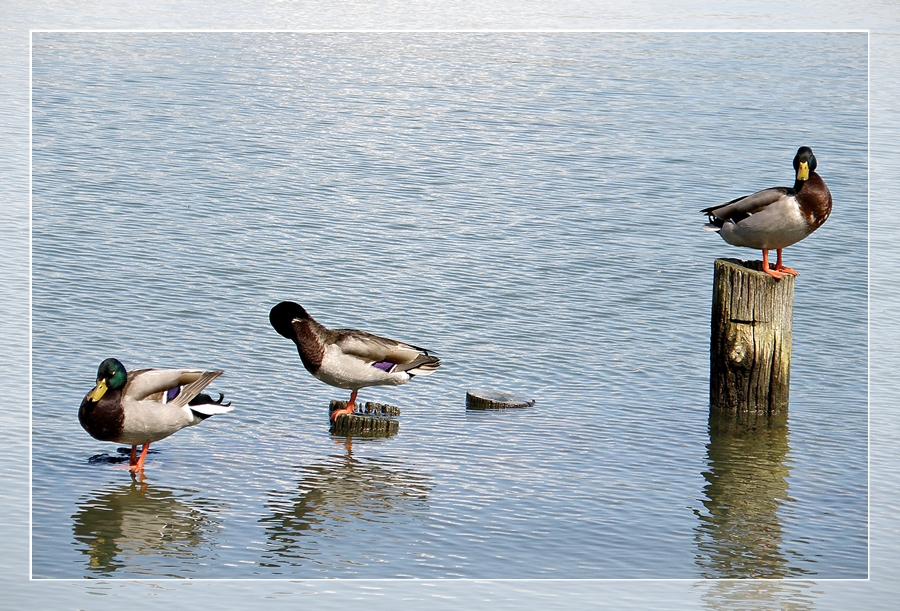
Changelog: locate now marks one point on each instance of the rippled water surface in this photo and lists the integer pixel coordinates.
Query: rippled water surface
(525, 205)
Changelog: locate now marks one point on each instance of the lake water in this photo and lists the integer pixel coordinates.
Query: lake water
(524, 205)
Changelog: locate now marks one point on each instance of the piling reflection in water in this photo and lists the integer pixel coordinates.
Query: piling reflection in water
(136, 525)
(759, 595)
(740, 535)
(342, 494)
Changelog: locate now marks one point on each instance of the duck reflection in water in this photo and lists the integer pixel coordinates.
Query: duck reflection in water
(134, 528)
(740, 535)
(342, 494)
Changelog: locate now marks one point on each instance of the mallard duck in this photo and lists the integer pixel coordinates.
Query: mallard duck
(347, 358)
(146, 405)
(778, 217)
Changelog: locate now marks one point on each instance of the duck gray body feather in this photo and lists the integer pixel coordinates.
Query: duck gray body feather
(773, 218)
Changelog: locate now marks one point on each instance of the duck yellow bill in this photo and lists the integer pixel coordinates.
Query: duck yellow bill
(98, 392)
(803, 171)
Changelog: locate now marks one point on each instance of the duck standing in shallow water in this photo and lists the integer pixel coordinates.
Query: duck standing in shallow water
(347, 358)
(146, 405)
(778, 217)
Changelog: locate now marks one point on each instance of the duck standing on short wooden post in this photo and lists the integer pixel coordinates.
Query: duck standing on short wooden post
(146, 405)
(348, 358)
(778, 217)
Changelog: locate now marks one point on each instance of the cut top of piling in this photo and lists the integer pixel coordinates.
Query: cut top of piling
(749, 294)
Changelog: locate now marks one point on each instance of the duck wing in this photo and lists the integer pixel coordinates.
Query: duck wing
(143, 383)
(376, 349)
(738, 209)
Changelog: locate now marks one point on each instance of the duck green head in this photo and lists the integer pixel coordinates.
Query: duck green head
(111, 375)
(804, 163)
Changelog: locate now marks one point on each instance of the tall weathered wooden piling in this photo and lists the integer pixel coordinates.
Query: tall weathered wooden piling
(750, 345)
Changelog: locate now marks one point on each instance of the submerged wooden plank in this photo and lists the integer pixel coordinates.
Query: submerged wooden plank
(495, 399)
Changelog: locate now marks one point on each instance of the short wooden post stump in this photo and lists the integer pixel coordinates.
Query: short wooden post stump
(495, 399)
(376, 421)
(750, 344)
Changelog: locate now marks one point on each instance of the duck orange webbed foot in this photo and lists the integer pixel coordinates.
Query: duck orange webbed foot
(779, 271)
(780, 267)
(774, 273)
(351, 407)
(786, 271)
(340, 412)
(139, 466)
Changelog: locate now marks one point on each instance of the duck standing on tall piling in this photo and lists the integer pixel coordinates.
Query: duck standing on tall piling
(775, 218)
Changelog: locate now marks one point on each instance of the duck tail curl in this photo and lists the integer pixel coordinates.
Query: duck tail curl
(422, 365)
(203, 406)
